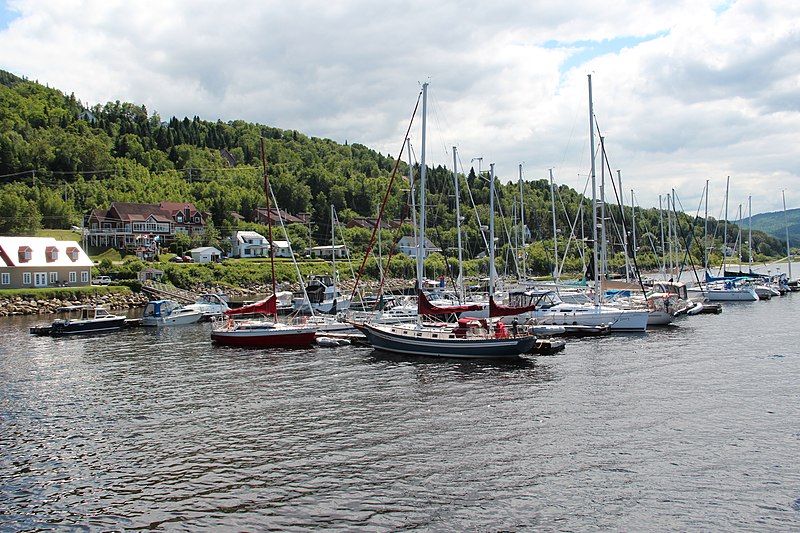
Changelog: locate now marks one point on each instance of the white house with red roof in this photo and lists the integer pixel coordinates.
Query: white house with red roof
(28, 262)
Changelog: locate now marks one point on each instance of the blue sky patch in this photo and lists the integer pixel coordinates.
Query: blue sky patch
(6, 15)
(584, 51)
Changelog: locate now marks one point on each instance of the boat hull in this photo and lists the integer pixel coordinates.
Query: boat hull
(87, 328)
(736, 295)
(265, 339)
(402, 341)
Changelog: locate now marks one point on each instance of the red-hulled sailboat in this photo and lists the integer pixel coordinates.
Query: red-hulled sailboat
(262, 332)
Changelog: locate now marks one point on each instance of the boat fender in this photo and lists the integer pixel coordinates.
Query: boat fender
(327, 342)
(343, 342)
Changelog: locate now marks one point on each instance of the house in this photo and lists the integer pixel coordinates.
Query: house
(249, 244)
(42, 262)
(150, 273)
(277, 214)
(205, 254)
(143, 228)
(408, 245)
(326, 252)
(282, 249)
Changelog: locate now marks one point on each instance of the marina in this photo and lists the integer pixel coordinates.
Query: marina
(159, 427)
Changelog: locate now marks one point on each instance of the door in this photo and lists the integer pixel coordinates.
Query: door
(40, 279)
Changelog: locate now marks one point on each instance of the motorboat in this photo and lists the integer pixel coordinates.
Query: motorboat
(725, 291)
(169, 313)
(323, 297)
(548, 308)
(81, 319)
(209, 306)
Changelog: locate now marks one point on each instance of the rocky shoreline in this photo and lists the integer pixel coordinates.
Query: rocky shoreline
(17, 305)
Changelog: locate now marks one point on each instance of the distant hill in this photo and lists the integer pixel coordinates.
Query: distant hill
(774, 224)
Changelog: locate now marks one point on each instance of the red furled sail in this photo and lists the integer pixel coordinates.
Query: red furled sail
(505, 310)
(425, 307)
(268, 306)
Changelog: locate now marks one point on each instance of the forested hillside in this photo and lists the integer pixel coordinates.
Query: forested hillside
(59, 158)
(775, 224)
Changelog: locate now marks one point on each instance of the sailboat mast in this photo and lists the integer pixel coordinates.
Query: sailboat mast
(725, 224)
(786, 223)
(603, 242)
(555, 232)
(412, 190)
(460, 289)
(597, 284)
(422, 173)
(750, 232)
(739, 236)
(663, 248)
(624, 233)
(705, 232)
(522, 218)
(269, 219)
(491, 230)
(333, 248)
(633, 223)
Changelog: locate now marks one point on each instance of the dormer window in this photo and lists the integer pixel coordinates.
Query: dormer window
(197, 219)
(73, 253)
(51, 254)
(179, 218)
(24, 254)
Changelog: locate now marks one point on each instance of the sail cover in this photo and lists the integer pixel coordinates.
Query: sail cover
(268, 306)
(425, 307)
(505, 310)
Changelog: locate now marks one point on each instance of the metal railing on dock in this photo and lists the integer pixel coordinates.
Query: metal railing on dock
(162, 290)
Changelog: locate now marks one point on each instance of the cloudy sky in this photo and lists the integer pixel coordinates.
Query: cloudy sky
(684, 90)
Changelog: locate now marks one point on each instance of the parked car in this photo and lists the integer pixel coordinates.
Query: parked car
(101, 280)
(176, 259)
(188, 259)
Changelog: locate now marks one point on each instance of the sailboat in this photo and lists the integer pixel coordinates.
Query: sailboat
(468, 339)
(262, 332)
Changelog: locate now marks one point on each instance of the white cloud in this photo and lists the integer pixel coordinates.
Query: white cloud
(698, 90)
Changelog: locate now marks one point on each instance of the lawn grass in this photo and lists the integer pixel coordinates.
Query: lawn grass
(112, 254)
(46, 293)
(60, 234)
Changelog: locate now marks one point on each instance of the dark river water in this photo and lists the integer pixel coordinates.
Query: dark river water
(695, 427)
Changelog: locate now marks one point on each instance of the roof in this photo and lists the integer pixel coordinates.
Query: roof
(10, 256)
(287, 217)
(205, 249)
(177, 206)
(281, 244)
(241, 235)
(321, 248)
(128, 211)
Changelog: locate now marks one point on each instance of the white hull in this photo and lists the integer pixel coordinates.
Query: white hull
(181, 319)
(743, 294)
(575, 315)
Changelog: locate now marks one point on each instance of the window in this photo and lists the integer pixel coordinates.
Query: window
(84, 277)
(73, 253)
(26, 278)
(73, 277)
(179, 218)
(53, 277)
(51, 254)
(5, 278)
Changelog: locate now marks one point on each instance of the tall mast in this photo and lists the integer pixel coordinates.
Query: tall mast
(705, 232)
(412, 189)
(786, 223)
(633, 223)
(597, 284)
(675, 241)
(333, 248)
(269, 220)
(663, 247)
(522, 218)
(669, 233)
(555, 232)
(725, 224)
(624, 233)
(739, 236)
(491, 230)
(458, 231)
(750, 232)
(603, 243)
(422, 175)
